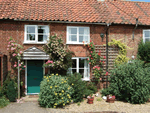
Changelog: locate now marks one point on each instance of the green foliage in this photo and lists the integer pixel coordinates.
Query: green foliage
(144, 51)
(1, 91)
(92, 86)
(131, 82)
(78, 103)
(78, 85)
(105, 91)
(95, 60)
(3, 101)
(54, 91)
(11, 92)
(121, 58)
(59, 54)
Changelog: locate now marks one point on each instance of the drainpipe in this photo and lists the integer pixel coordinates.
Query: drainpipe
(107, 53)
(135, 28)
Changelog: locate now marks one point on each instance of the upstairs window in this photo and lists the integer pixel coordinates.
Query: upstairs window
(146, 35)
(76, 35)
(36, 33)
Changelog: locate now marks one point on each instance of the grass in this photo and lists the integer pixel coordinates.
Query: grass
(99, 99)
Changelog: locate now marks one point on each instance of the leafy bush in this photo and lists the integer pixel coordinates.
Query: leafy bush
(11, 92)
(130, 82)
(54, 91)
(92, 86)
(144, 51)
(10, 88)
(1, 91)
(59, 54)
(87, 92)
(106, 91)
(78, 85)
(3, 101)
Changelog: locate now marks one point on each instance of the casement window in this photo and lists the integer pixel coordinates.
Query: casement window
(76, 35)
(146, 35)
(80, 65)
(36, 34)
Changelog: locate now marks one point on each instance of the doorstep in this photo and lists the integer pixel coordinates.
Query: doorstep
(31, 98)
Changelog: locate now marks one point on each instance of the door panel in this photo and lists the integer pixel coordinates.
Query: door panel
(34, 75)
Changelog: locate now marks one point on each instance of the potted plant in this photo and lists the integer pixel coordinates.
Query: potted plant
(90, 99)
(110, 98)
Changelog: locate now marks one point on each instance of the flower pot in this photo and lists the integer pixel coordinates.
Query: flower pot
(110, 99)
(90, 100)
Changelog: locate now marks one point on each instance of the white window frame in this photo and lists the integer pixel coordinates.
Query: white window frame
(36, 35)
(144, 34)
(71, 42)
(77, 68)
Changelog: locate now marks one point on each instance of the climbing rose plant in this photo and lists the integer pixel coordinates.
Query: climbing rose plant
(95, 60)
(60, 56)
(15, 53)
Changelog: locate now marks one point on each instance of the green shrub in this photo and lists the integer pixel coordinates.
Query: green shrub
(1, 91)
(78, 85)
(131, 82)
(87, 92)
(11, 92)
(3, 101)
(54, 91)
(144, 51)
(106, 91)
(92, 86)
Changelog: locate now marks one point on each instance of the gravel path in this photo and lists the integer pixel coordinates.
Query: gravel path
(98, 107)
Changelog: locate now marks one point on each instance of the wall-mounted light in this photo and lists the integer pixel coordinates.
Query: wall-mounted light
(102, 36)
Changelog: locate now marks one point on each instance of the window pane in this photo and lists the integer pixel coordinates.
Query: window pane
(30, 29)
(81, 63)
(43, 29)
(42, 37)
(80, 38)
(147, 33)
(72, 30)
(81, 71)
(147, 39)
(74, 63)
(84, 31)
(74, 71)
(86, 40)
(30, 37)
(73, 38)
(86, 73)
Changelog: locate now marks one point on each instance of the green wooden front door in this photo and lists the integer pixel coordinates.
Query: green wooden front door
(34, 75)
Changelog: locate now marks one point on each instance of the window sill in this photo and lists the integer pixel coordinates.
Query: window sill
(34, 42)
(76, 43)
(85, 79)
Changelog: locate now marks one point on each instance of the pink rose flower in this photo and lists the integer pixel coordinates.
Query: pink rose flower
(20, 68)
(15, 65)
(20, 52)
(87, 58)
(104, 57)
(91, 51)
(7, 48)
(19, 64)
(8, 42)
(89, 62)
(14, 54)
(106, 73)
(99, 51)
(15, 62)
(24, 66)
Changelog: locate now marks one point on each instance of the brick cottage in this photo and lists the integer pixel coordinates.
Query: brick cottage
(31, 22)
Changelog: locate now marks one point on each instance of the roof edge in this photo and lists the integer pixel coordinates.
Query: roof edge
(97, 23)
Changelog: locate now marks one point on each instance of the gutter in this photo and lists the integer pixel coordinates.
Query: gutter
(96, 23)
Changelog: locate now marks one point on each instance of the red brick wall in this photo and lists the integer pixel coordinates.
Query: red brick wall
(124, 33)
(16, 30)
